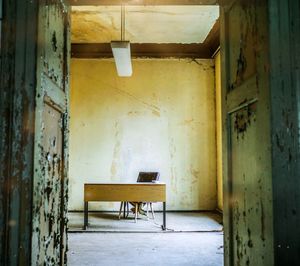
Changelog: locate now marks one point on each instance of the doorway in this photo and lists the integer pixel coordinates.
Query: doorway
(163, 119)
(260, 92)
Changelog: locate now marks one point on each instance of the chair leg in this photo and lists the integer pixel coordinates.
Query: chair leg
(147, 213)
(120, 212)
(152, 211)
(127, 208)
(136, 212)
(124, 211)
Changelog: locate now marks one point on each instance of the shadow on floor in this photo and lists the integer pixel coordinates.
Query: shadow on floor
(176, 222)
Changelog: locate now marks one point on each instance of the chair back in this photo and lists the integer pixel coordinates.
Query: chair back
(148, 176)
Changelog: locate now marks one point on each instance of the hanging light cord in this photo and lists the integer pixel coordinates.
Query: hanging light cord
(122, 22)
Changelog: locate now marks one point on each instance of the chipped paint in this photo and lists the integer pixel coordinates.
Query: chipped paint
(34, 231)
(284, 72)
(243, 64)
(50, 185)
(248, 221)
(16, 130)
(243, 119)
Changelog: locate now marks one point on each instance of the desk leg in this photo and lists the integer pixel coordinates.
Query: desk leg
(136, 212)
(164, 227)
(124, 211)
(86, 211)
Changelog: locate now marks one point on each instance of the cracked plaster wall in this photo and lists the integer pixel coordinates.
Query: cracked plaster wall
(162, 119)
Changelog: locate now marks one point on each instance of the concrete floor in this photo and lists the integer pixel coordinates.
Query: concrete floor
(143, 243)
(135, 249)
(176, 221)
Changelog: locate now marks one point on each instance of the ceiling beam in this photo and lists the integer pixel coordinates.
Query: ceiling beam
(212, 40)
(154, 50)
(142, 2)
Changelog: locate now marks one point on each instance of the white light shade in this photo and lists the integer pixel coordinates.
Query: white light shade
(121, 52)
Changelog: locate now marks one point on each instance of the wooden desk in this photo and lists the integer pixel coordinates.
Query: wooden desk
(132, 192)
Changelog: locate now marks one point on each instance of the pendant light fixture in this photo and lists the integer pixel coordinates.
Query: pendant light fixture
(121, 51)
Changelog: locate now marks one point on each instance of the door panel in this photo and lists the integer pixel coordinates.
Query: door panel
(51, 139)
(242, 165)
(246, 136)
(50, 188)
(248, 214)
(241, 33)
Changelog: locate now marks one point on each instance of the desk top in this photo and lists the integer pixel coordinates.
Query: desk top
(148, 192)
(127, 183)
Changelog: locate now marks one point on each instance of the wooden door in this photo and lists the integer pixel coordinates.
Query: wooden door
(33, 131)
(50, 182)
(284, 35)
(248, 205)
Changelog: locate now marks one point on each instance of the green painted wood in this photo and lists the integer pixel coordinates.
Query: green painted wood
(248, 223)
(18, 53)
(50, 180)
(25, 96)
(285, 97)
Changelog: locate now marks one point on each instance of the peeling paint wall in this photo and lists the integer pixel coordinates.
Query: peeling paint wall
(219, 130)
(162, 119)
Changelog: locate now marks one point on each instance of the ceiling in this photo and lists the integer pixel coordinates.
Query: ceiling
(153, 30)
(143, 24)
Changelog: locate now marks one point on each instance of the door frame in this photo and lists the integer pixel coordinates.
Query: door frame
(17, 115)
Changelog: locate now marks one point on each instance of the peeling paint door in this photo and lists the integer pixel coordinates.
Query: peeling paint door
(51, 136)
(246, 120)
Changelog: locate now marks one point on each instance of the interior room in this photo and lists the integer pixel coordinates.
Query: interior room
(149, 132)
(164, 117)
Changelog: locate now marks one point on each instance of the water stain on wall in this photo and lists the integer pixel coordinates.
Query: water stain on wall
(149, 122)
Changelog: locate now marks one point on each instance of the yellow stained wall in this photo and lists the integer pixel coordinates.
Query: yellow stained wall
(219, 130)
(161, 119)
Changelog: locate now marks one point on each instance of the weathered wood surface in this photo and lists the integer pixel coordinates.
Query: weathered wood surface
(285, 112)
(50, 181)
(33, 193)
(17, 94)
(248, 222)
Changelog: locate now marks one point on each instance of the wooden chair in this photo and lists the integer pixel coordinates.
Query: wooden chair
(143, 177)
